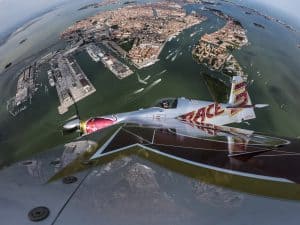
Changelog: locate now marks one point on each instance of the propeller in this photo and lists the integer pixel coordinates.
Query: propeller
(72, 124)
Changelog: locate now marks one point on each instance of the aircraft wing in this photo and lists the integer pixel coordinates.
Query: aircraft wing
(225, 149)
(78, 190)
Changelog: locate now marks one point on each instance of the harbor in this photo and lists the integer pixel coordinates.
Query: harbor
(72, 85)
(119, 69)
(26, 88)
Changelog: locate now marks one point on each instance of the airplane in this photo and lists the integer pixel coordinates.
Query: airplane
(195, 121)
(188, 117)
(179, 110)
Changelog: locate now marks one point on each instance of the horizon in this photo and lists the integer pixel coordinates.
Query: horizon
(15, 8)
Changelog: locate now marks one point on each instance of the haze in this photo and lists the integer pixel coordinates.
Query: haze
(16, 12)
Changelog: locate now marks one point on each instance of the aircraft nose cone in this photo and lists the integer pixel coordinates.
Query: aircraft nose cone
(71, 125)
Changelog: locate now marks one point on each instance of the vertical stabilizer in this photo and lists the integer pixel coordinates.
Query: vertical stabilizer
(239, 97)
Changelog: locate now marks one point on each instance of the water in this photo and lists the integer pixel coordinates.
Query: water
(272, 52)
(38, 128)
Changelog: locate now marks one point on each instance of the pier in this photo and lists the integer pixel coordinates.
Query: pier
(112, 63)
(26, 88)
(70, 81)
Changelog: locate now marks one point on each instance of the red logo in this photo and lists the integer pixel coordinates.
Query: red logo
(201, 114)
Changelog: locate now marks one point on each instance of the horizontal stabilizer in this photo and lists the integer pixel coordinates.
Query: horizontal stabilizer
(244, 156)
(247, 106)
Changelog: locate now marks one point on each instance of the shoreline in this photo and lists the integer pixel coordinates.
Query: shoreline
(149, 38)
(170, 38)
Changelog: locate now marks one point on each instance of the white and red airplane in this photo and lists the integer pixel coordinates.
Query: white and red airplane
(183, 128)
(184, 115)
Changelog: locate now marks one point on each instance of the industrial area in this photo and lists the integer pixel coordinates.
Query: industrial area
(70, 81)
(26, 88)
(112, 63)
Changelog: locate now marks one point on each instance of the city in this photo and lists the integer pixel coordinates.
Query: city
(112, 63)
(141, 31)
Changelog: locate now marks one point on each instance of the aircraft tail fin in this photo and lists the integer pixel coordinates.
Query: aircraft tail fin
(240, 100)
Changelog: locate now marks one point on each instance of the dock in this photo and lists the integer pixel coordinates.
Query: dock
(69, 79)
(26, 87)
(119, 69)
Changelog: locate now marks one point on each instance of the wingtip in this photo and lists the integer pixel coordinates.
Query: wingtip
(261, 105)
(247, 155)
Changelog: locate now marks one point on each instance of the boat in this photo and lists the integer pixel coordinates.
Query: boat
(46, 89)
(192, 34)
(92, 54)
(147, 78)
(174, 57)
(50, 78)
(168, 56)
(155, 82)
(162, 72)
(141, 80)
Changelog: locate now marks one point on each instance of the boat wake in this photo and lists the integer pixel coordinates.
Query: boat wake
(138, 91)
(142, 81)
(154, 83)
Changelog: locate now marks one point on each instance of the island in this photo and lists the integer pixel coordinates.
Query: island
(215, 49)
(138, 33)
(92, 5)
(98, 4)
(129, 2)
(7, 65)
(22, 41)
(259, 25)
(250, 11)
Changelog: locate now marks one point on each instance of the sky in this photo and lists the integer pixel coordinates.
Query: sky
(14, 12)
(290, 7)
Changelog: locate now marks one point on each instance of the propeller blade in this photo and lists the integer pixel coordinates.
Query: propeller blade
(75, 105)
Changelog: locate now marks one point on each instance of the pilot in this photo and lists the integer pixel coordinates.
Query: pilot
(165, 104)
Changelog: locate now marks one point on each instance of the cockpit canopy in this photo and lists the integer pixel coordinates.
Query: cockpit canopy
(166, 103)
